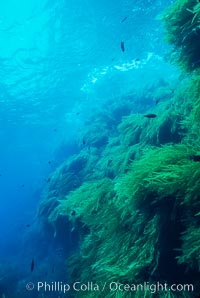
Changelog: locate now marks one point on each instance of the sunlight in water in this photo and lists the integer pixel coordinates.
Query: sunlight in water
(22, 26)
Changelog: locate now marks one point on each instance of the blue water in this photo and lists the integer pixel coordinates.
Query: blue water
(59, 59)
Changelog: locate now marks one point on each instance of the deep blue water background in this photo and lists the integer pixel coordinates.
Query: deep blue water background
(56, 58)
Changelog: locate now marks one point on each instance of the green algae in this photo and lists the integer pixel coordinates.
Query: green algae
(167, 171)
(121, 222)
(182, 32)
(136, 200)
(191, 246)
(138, 186)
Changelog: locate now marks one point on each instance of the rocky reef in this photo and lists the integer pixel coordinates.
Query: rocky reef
(132, 192)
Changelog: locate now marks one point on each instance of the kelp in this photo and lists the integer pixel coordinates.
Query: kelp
(182, 22)
(192, 121)
(136, 201)
(84, 202)
(191, 247)
(92, 209)
(123, 206)
(126, 201)
(128, 258)
(162, 172)
(69, 176)
(116, 158)
(99, 127)
(165, 128)
(106, 212)
(167, 176)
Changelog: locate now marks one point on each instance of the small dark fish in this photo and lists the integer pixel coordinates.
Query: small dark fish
(32, 265)
(122, 46)
(22, 185)
(157, 101)
(0, 175)
(124, 19)
(195, 158)
(55, 129)
(137, 59)
(84, 142)
(48, 180)
(77, 113)
(49, 162)
(73, 213)
(28, 225)
(150, 115)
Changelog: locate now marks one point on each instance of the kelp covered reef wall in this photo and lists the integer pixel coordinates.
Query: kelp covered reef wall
(132, 192)
(183, 32)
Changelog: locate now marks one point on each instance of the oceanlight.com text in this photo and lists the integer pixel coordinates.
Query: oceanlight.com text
(61, 287)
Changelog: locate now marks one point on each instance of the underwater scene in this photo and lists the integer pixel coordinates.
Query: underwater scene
(100, 148)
